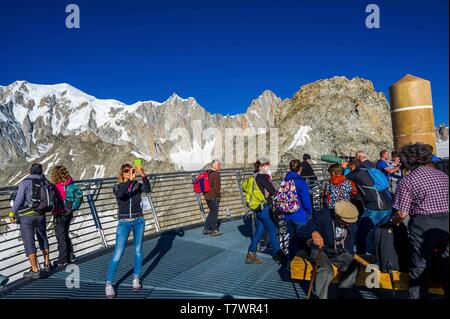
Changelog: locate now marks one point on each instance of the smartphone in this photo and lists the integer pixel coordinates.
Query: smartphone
(137, 162)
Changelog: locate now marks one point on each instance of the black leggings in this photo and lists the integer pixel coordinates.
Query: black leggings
(62, 225)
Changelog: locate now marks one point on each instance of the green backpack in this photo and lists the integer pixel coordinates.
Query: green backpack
(74, 197)
(254, 198)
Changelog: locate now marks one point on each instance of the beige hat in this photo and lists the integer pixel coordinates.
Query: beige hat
(263, 160)
(346, 211)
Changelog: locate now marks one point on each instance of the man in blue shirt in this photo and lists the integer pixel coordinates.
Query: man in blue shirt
(383, 164)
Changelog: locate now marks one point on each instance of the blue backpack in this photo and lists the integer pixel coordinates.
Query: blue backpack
(74, 197)
(380, 181)
(380, 185)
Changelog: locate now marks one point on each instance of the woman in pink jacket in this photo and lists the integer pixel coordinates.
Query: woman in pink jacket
(59, 176)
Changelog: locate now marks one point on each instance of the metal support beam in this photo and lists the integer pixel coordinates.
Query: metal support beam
(199, 200)
(152, 206)
(92, 194)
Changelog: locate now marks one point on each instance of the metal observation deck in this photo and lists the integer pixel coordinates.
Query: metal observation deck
(179, 261)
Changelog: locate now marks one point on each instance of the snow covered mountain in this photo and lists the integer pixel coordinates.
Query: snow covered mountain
(59, 124)
(53, 124)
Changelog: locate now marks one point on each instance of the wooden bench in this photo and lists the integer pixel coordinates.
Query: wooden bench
(301, 269)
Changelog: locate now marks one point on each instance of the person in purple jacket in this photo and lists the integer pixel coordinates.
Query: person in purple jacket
(32, 224)
(298, 219)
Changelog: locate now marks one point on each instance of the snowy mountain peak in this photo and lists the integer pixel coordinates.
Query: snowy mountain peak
(263, 103)
(176, 98)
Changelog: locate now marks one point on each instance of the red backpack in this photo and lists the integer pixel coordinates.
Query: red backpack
(201, 183)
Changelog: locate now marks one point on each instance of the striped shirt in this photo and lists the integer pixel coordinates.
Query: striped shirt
(423, 192)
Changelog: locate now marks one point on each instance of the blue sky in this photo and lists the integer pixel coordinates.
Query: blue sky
(223, 53)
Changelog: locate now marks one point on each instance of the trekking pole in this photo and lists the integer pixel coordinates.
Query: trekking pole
(314, 274)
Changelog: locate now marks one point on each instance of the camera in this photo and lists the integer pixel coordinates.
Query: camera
(347, 158)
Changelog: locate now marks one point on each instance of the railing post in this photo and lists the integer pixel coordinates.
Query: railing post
(91, 194)
(199, 200)
(152, 207)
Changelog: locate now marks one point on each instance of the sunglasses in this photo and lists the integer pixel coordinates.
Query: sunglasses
(126, 170)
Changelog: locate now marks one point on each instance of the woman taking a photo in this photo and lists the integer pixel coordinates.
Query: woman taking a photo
(264, 222)
(128, 193)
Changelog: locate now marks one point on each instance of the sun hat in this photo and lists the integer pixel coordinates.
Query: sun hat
(346, 211)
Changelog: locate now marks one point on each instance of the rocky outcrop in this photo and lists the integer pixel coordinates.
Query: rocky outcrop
(335, 116)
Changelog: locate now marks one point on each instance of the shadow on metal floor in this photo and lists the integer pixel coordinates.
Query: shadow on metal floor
(184, 264)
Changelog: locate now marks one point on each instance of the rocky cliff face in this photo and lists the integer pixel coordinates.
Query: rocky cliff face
(335, 116)
(59, 124)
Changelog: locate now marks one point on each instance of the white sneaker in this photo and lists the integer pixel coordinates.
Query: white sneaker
(136, 284)
(110, 292)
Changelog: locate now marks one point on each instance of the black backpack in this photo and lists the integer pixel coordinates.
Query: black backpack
(442, 165)
(392, 247)
(43, 195)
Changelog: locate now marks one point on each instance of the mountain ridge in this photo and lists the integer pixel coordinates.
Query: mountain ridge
(42, 120)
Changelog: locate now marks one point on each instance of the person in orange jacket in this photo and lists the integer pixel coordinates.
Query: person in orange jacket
(338, 188)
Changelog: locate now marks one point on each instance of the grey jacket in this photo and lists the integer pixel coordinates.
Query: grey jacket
(24, 193)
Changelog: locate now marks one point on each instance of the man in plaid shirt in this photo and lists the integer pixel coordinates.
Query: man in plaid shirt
(424, 195)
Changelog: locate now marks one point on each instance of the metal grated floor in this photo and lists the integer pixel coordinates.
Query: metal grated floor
(187, 265)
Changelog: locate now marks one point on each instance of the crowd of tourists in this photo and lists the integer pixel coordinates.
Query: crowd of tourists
(359, 198)
(360, 201)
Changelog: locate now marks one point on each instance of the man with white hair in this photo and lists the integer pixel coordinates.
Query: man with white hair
(362, 157)
(213, 199)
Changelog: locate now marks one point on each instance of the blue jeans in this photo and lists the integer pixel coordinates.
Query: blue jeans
(265, 224)
(124, 227)
(294, 227)
(369, 222)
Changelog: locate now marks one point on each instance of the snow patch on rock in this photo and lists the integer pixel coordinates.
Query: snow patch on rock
(301, 137)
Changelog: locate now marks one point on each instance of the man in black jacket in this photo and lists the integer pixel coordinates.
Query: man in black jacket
(364, 162)
(377, 208)
(331, 233)
(307, 170)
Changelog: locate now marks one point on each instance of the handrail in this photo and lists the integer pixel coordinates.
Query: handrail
(93, 225)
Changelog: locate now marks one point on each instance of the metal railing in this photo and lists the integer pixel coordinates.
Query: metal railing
(170, 204)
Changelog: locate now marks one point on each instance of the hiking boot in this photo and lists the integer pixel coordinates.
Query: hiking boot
(73, 258)
(280, 258)
(110, 292)
(252, 259)
(215, 233)
(137, 284)
(49, 267)
(32, 275)
(207, 231)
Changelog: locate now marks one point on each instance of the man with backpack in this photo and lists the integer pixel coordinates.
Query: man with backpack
(373, 188)
(423, 195)
(362, 158)
(34, 198)
(212, 198)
